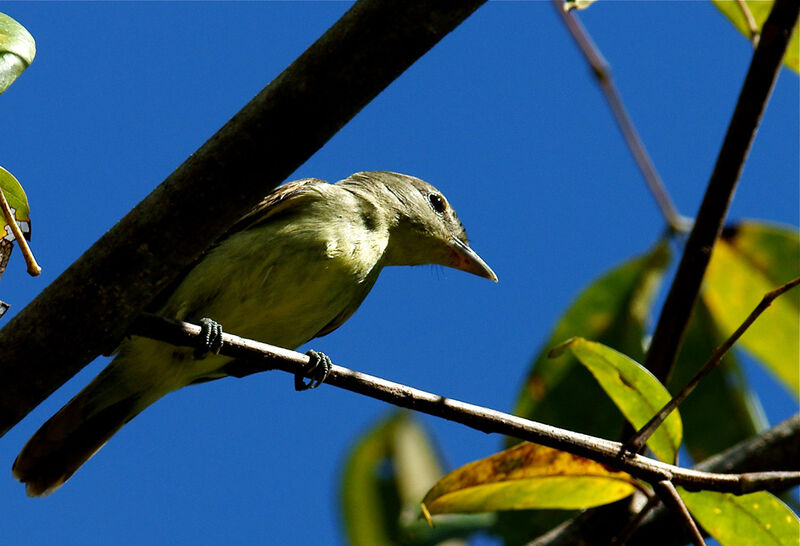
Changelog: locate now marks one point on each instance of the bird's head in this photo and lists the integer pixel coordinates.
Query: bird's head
(423, 227)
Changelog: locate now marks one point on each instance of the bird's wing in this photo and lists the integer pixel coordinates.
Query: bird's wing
(284, 198)
(280, 200)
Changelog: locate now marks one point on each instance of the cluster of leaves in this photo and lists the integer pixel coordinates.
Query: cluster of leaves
(17, 50)
(525, 490)
(750, 259)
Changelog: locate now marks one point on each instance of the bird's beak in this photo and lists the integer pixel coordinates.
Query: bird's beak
(468, 260)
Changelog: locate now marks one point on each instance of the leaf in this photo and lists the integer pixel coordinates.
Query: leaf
(612, 310)
(570, 5)
(18, 202)
(723, 410)
(368, 502)
(755, 519)
(528, 476)
(385, 476)
(760, 10)
(17, 50)
(635, 391)
(749, 261)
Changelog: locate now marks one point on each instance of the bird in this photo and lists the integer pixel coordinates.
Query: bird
(294, 268)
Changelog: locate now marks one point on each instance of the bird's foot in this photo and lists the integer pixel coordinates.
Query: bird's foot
(210, 338)
(318, 369)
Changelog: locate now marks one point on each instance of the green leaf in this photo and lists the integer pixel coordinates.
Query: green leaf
(749, 261)
(612, 310)
(635, 391)
(17, 50)
(528, 476)
(18, 202)
(760, 10)
(369, 503)
(723, 410)
(756, 519)
(386, 475)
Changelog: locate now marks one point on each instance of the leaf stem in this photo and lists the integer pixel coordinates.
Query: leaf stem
(33, 267)
(755, 33)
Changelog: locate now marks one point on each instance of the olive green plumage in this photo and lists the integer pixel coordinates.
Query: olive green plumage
(294, 268)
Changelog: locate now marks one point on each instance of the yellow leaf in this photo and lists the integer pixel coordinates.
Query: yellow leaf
(528, 476)
(738, 276)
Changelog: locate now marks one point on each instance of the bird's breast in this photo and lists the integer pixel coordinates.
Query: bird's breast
(282, 284)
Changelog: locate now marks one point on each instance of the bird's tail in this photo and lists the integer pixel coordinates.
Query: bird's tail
(78, 430)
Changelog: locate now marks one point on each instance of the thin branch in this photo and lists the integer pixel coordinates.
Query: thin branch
(643, 434)
(776, 449)
(630, 528)
(33, 268)
(263, 357)
(669, 496)
(752, 101)
(52, 338)
(602, 72)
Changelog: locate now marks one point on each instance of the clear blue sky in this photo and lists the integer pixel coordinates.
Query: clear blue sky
(503, 116)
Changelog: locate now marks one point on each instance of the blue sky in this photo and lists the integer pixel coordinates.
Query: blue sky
(502, 116)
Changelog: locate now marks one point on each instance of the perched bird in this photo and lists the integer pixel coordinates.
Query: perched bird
(294, 268)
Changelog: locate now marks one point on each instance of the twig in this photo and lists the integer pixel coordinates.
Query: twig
(752, 101)
(602, 71)
(774, 449)
(33, 268)
(263, 357)
(633, 524)
(638, 440)
(669, 496)
(755, 34)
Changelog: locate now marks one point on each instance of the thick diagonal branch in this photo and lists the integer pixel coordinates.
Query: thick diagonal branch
(752, 101)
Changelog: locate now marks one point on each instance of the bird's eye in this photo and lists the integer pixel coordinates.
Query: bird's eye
(436, 202)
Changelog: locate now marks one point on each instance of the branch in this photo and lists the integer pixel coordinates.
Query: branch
(263, 357)
(685, 287)
(750, 106)
(602, 72)
(90, 306)
(635, 443)
(669, 496)
(776, 449)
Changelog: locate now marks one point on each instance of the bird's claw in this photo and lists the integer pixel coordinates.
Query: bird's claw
(210, 338)
(317, 371)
